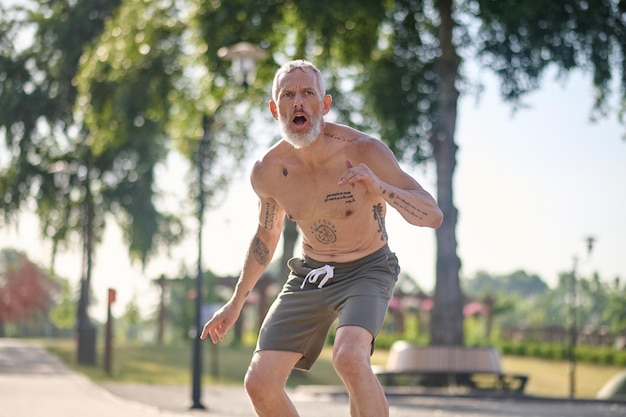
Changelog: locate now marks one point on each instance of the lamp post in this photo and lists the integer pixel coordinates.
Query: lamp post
(243, 56)
(573, 317)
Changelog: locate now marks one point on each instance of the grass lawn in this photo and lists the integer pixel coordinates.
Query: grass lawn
(550, 378)
(171, 364)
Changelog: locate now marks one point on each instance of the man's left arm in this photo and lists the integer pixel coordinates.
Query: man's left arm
(399, 189)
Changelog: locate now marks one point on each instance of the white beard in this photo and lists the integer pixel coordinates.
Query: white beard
(300, 140)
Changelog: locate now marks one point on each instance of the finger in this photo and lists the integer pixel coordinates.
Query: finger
(205, 331)
(346, 177)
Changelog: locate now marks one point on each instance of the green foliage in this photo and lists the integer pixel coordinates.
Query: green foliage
(519, 40)
(602, 355)
(519, 283)
(615, 312)
(63, 312)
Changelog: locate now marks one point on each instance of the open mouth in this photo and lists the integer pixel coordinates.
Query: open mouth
(299, 120)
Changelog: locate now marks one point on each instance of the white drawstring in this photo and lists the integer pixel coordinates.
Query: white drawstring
(314, 274)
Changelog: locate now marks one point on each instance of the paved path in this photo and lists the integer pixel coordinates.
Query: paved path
(35, 384)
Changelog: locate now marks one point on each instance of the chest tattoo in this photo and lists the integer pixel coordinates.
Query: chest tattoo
(378, 216)
(343, 195)
(324, 231)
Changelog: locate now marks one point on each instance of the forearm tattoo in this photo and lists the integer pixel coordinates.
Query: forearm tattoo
(260, 251)
(405, 206)
(378, 216)
(269, 220)
(324, 231)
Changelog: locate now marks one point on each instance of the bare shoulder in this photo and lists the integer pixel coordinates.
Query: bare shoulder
(266, 169)
(359, 145)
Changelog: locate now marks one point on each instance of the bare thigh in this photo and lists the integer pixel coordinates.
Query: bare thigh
(272, 366)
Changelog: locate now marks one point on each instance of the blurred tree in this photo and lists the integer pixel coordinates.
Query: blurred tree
(131, 320)
(55, 161)
(413, 83)
(25, 290)
(615, 312)
(63, 312)
(518, 283)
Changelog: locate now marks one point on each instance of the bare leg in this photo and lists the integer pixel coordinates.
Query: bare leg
(351, 358)
(265, 383)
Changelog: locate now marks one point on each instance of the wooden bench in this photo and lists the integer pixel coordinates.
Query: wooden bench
(476, 368)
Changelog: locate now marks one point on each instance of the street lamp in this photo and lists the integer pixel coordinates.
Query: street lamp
(573, 318)
(243, 56)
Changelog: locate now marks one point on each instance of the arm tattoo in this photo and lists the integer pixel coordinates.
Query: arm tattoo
(259, 251)
(378, 216)
(406, 206)
(324, 232)
(269, 216)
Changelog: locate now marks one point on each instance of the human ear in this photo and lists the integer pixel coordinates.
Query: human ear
(328, 101)
(273, 109)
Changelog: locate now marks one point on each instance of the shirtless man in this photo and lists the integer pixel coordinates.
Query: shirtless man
(335, 183)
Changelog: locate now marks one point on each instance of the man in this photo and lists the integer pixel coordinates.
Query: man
(335, 183)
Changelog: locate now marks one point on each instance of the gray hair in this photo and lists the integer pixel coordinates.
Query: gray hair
(297, 64)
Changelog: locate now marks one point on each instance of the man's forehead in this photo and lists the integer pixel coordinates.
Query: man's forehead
(297, 75)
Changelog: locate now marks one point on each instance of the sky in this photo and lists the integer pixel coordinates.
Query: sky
(530, 186)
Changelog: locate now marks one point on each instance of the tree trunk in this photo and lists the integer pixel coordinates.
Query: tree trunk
(86, 349)
(290, 235)
(446, 327)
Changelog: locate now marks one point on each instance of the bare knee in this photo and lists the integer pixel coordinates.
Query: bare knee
(268, 373)
(349, 363)
(351, 353)
(256, 381)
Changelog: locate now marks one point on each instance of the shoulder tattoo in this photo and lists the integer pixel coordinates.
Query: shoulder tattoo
(340, 138)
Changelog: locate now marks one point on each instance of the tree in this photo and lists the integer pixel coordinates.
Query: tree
(63, 312)
(518, 283)
(25, 289)
(615, 311)
(58, 165)
(415, 79)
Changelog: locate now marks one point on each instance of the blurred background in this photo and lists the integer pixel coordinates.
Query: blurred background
(129, 129)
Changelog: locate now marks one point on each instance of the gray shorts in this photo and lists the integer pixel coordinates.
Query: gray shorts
(358, 294)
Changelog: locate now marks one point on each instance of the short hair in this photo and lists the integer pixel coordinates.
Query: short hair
(297, 64)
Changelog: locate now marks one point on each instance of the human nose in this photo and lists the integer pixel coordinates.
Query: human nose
(298, 101)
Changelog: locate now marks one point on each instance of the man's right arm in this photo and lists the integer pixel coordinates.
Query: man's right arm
(259, 254)
(261, 249)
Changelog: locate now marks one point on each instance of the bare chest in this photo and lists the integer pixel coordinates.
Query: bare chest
(309, 196)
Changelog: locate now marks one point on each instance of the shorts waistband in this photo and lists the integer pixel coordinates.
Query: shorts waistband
(312, 263)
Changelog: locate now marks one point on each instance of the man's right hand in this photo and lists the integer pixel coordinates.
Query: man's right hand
(222, 320)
